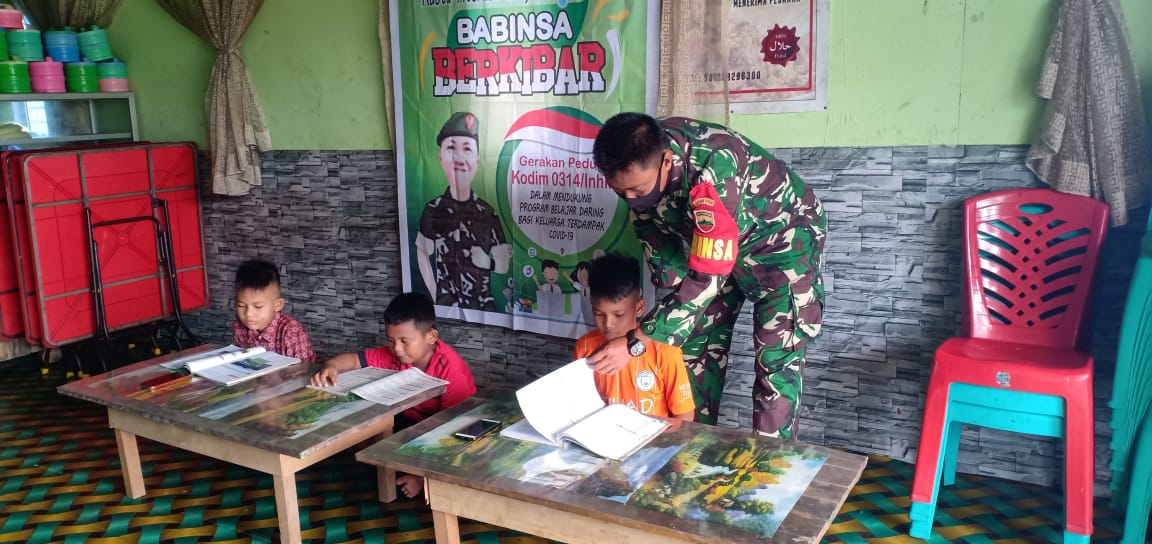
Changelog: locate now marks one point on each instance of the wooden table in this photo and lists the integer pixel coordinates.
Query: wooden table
(272, 424)
(694, 483)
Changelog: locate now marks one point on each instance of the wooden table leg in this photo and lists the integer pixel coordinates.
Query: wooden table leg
(386, 483)
(447, 527)
(386, 477)
(287, 507)
(130, 464)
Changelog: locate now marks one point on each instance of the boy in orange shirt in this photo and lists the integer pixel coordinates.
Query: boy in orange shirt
(655, 382)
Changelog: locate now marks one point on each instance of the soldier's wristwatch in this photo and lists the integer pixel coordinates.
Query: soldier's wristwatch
(635, 345)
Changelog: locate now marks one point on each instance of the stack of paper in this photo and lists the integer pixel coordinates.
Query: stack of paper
(382, 386)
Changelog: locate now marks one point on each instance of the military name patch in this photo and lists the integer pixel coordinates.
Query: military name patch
(705, 220)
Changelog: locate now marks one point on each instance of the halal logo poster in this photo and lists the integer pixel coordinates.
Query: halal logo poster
(498, 104)
(777, 56)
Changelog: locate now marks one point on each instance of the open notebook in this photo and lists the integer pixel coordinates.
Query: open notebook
(230, 365)
(564, 406)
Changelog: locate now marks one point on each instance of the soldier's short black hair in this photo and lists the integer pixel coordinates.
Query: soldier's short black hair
(549, 263)
(613, 277)
(411, 307)
(628, 139)
(256, 274)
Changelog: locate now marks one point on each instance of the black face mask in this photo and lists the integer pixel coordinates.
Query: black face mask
(651, 199)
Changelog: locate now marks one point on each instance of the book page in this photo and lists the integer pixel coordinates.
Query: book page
(347, 381)
(559, 399)
(201, 363)
(182, 362)
(251, 367)
(397, 387)
(522, 430)
(615, 432)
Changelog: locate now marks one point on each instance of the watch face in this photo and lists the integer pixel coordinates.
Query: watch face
(636, 348)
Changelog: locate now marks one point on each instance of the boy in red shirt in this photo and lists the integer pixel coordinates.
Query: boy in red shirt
(655, 382)
(413, 341)
(259, 320)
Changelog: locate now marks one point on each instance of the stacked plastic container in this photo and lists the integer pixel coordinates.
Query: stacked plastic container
(113, 76)
(81, 77)
(62, 45)
(56, 61)
(14, 77)
(47, 76)
(25, 45)
(94, 44)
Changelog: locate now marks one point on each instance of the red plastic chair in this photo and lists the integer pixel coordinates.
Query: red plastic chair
(1030, 256)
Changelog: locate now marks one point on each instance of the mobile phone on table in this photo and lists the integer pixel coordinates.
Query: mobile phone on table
(478, 429)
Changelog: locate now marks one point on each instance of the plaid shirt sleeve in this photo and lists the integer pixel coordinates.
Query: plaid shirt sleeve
(294, 342)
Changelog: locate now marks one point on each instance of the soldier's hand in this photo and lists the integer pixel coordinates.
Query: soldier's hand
(611, 358)
(480, 258)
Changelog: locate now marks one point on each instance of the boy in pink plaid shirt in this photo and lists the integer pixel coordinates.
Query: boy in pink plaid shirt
(259, 320)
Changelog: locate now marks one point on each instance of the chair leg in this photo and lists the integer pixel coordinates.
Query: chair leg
(1140, 488)
(951, 452)
(929, 460)
(1079, 462)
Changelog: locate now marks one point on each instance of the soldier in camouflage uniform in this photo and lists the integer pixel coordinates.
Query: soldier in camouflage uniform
(460, 242)
(721, 220)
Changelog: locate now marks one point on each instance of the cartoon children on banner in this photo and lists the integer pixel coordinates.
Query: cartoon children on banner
(552, 299)
(579, 279)
(460, 243)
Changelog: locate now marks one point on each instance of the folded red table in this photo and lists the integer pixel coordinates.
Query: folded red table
(137, 203)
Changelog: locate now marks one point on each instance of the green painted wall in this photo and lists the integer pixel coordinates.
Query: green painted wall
(315, 65)
(902, 72)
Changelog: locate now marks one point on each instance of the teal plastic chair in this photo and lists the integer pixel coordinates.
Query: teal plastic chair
(1140, 492)
(1131, 402)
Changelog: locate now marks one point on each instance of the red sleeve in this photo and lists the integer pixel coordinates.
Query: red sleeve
(461, 385)
(714, 233)
(380, 357)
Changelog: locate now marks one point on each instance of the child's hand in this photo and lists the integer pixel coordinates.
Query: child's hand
(325, 378)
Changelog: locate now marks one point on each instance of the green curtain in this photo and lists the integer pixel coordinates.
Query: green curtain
(50, 14)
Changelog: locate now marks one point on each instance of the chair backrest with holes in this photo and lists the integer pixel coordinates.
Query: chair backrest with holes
(1030, 256)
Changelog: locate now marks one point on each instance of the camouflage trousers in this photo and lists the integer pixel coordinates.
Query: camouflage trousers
(779, 372)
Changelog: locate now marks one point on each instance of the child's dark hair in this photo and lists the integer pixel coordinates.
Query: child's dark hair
(575, 275)
(411, 307)
(628, 139)
(549, 263)
(256, 274)
(613, 277)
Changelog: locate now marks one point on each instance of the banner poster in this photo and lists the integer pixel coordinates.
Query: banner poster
(777, 56)
(498, 104)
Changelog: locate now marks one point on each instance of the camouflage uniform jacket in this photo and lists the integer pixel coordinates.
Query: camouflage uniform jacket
(455, 227)
(731, 210)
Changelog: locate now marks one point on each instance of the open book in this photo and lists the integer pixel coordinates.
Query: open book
(382, 386)
(564, 406)
(230, 365)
